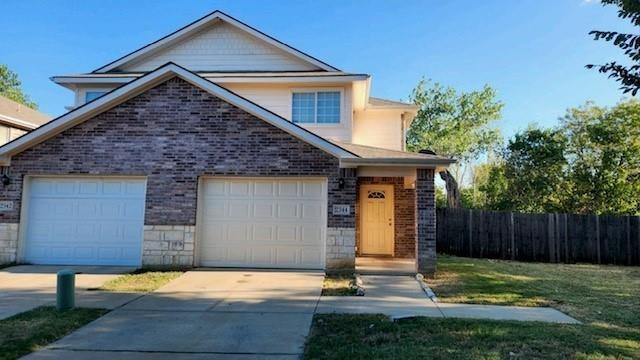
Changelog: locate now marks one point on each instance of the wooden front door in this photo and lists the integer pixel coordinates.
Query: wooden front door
(376, 220)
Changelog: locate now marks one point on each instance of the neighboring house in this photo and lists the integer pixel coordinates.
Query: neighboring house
(218, 145)
(17, 119)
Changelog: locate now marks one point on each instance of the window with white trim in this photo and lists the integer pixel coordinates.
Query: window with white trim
(92, 95)
(317, 107)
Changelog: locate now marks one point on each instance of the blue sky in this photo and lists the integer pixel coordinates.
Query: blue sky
(532, 52)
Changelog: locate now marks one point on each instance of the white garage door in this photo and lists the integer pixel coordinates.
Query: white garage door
(85, 221)
(273, 223)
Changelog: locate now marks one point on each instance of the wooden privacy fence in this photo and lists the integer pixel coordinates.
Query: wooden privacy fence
(567, 238)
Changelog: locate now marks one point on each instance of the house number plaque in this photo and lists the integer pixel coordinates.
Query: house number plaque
(341, 210)
(6, 205)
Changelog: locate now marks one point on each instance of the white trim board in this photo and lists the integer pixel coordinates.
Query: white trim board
(149, 81)
(201, 23)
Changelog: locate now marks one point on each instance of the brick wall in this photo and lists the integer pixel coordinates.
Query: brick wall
(404, 214)
(173, 134)
(426, 221)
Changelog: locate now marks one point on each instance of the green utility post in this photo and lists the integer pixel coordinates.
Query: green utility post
(65, 294)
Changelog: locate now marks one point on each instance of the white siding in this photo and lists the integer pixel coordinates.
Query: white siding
(222, 47)
(379, 128)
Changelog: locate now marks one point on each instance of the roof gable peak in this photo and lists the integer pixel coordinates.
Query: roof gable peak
(217, 16)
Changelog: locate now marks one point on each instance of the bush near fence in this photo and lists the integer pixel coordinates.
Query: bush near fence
(555, 238)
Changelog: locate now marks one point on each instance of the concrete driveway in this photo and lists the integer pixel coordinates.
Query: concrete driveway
(205, 314)
(27, 286)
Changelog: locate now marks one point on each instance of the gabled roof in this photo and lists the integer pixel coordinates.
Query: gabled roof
(200, 24)
(20, 116)
(148, 81)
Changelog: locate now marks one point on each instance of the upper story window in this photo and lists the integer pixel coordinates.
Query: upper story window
(92, 95)
(316, 107)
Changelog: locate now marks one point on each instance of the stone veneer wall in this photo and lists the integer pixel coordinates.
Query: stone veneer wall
(173, 134)
(426, 222)
(404, 214)
(8, 242)
(341, 248)
(168, 245)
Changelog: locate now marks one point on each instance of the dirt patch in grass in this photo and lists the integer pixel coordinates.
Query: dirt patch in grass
(339, 285)
(140, 281)
(376, 337)
(34, 329)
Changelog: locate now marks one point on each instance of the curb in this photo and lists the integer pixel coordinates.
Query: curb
(427, 290)
(360, 290)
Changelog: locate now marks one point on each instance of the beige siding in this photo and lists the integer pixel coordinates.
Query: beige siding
(9, 133)
(222, 47)
(277, 98)
(379, 128)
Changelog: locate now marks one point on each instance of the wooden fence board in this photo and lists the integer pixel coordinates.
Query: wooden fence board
(567, 238)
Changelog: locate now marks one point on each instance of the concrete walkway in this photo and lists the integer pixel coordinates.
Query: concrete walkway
(401, 296)
(204, 315)
(25, 287)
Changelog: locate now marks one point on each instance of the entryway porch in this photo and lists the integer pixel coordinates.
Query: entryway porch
(375, 265)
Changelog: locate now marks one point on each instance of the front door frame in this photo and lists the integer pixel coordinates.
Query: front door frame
(388, 188)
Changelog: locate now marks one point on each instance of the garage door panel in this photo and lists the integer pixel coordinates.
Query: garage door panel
(311, 211)
(264, 189)
(263, 233)
(310, 255)
(288, 210)
(263, 223)
(288, 189)
(85, 221)
(238, 209)
(264, 209)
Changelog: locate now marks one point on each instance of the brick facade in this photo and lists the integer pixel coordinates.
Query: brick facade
(404, 214)
(173, 134)
(426, 222)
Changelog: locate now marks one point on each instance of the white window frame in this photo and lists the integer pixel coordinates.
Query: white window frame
(81, 95)
(315, 115)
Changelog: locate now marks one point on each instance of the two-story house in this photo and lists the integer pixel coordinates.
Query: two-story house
(218, 145)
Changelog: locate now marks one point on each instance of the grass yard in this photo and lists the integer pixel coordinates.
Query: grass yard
(142, 281)
(31, 330)
(339, 285)
(605, 298)
(590, 293)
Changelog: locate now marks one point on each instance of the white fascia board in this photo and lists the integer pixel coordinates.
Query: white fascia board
(146, 82)
(356, 162)
(17, 122)
(62, 80)
(197, 25)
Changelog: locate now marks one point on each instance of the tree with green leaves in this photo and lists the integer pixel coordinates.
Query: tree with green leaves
(628, 76)
(454, 124)
(11, 87)
(535, 170)
(604, 157)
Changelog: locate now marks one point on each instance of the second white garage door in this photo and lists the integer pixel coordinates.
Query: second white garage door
(270, 223)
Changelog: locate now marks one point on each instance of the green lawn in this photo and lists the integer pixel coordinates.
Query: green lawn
(605, 298)
(142, 281)
(591, 293)
(339, 285)
(31, 330)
